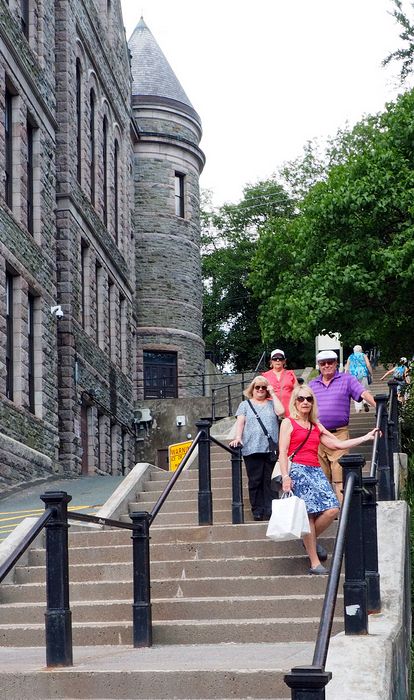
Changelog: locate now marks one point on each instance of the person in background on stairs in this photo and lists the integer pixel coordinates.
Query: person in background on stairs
(359, 366)
(282, 380)
(258, 460)
(400, 373)
(302, 434)
(334, 392)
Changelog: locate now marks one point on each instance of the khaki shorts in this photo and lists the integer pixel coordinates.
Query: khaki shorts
(329, 458)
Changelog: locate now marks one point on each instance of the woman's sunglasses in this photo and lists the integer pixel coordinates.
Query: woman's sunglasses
(301, 399)
(261, 386)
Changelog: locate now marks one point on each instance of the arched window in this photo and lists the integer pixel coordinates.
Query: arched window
(116, 189)
(78, 120)
(92, 150)
(105, 169)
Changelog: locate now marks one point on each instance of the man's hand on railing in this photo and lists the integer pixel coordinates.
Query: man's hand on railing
(371, 434)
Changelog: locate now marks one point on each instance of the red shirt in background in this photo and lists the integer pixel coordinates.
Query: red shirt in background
(282, 387)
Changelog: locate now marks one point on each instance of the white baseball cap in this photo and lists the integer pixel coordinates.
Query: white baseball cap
(326, 355)
(277, 353)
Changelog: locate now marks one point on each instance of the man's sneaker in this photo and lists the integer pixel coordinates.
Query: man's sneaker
(321, 552)
(366, 407)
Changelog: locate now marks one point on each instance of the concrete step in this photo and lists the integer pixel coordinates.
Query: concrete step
(240, 630)
(161, 673)
(181, 552)
(169, 588)
(235, 566)
(182, 608)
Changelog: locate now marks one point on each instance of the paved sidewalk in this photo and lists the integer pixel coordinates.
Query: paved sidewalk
(88, 493)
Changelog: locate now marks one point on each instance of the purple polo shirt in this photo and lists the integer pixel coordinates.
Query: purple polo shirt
(334, 399)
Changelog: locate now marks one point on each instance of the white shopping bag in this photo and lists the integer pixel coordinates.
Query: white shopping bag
(289, 519)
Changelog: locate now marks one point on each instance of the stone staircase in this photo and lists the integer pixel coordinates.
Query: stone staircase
(232, 611)
(219, 592)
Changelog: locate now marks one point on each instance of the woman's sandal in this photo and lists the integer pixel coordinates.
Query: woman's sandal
(318, 570)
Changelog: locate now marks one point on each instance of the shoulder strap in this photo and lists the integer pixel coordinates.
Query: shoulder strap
(302, 443)
(258, 418)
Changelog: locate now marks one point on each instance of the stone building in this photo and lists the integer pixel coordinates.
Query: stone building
(100, 283)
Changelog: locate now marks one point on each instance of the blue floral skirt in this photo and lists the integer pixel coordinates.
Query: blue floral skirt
(311, 484)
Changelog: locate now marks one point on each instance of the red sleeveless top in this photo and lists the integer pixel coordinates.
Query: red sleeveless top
(308, 454)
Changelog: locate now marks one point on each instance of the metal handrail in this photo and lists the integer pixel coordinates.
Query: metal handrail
(86, 518)
(25, 543)
(328, 609)
(162, 498)
(221, 444)
(374, 457)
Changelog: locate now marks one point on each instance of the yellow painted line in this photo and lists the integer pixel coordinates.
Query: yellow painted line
(41, 510)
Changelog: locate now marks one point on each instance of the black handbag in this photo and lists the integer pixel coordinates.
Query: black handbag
(273, 446)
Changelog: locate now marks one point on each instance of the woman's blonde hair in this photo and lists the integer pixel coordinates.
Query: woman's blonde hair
(298, 391)
(248, 393)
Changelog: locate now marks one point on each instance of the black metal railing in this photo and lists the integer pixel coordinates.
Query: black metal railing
(222, 398)
(357, 543)
(58, 620)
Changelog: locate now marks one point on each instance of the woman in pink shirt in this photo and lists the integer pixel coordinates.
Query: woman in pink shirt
(282, 380)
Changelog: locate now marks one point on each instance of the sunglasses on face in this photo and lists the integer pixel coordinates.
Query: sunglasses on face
(301, 399)
(278, 359)
(326, 362)
(260, 387)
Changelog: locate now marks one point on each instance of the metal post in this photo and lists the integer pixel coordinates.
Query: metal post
(213, 405)
(307, 682)
(383, 467)
(229, 405)
(390, 440)
(58, 618)
(393, 414)
(205, 497)
(355, 585)
(141, 607)
(237, 508)
(369, 525)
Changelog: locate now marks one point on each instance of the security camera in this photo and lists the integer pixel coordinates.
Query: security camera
(56, 311)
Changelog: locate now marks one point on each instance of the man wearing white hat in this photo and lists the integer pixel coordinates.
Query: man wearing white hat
(334, 392)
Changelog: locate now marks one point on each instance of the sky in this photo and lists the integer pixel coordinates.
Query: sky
(266, 76)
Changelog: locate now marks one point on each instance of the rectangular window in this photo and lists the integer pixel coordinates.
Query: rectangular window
(111, 319)
(105, 169)
(30, 178)
(24, 17)
(98, 304)
(9, 337)
(124, 326)
(179, 195)
(8, 137)
(84, 283)
(160, 375)
(31, 351)
(116, 190)
(78, 121)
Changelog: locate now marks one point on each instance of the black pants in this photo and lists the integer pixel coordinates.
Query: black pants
(259, 471)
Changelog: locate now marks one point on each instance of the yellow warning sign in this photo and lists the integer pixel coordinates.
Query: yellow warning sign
(177, 452)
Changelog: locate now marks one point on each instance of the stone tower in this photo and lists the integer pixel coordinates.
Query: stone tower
(167, 166)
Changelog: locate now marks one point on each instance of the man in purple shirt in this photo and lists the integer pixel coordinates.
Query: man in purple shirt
(334, 392)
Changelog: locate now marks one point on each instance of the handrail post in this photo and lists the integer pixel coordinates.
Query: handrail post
(370, 540)
(58, 617)
(229, 404)
(355, 585)
(205, 496)
(383, 467)
(237, 508)
(213, 405)
(393, 413)
(390, 440)
(141, 607)
(307, 682)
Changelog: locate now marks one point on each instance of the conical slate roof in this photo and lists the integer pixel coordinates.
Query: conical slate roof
(151, 72)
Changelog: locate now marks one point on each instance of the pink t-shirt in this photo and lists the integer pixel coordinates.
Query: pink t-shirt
(308, 454)
(283, 386)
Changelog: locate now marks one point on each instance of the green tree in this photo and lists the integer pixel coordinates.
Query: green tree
(346, 262)
(405, 54)
(229, 241)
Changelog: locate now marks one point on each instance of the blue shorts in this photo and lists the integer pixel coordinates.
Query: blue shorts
(311, 484)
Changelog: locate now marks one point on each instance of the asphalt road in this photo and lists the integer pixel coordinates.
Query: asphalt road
(88, 493)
